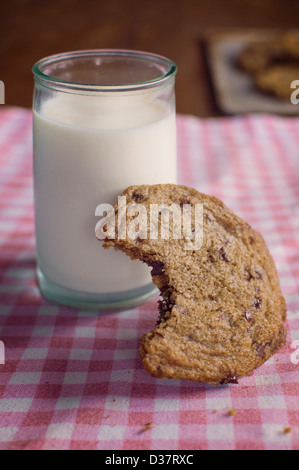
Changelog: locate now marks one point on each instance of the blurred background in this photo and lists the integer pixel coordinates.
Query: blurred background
(32, 29)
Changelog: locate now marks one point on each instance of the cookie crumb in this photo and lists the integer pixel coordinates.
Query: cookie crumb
(232, 412)
(287, 430)
(145, 428)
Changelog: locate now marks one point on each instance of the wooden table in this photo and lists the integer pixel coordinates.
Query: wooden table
(32, 29)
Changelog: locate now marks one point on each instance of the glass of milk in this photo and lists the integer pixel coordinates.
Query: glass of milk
(103, 120)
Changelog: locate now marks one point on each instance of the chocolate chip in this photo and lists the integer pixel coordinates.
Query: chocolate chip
(257, 303)
(223, 255)
(249, 316)
(233, 380)
(252, 240)
(165, 309)
(211, 258)
(166, 304)
(248, 275)
(184, 201)
(260, 349)
(229, 380)
(281, 331)
(158, 268)
(159, 334)
(138, 197)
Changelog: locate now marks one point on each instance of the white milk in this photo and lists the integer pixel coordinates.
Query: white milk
(86, 153)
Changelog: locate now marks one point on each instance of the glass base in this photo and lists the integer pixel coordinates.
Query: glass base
(84, 300)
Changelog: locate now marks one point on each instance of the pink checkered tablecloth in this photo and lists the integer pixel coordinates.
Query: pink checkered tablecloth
(73, 379)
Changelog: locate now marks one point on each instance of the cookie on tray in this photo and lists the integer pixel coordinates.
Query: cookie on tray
(291, 44)
(260, 55)
(276, 80)
(221, 313)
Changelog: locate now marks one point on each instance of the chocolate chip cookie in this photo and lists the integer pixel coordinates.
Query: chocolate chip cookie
(260, 55)
(221, 313)
(277, 80)
(291, 44)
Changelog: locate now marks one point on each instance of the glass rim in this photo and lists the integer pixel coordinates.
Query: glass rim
(53, 82)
